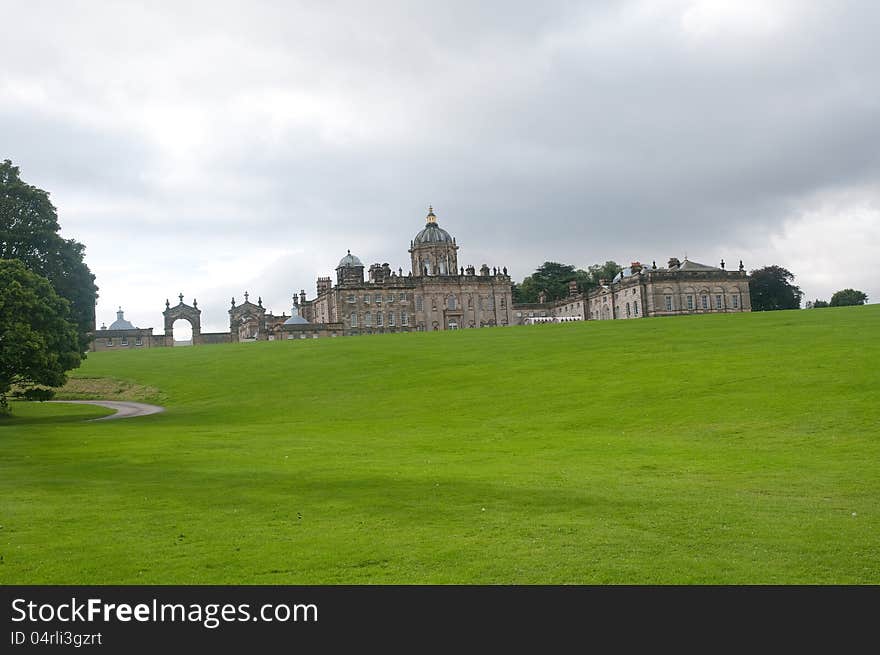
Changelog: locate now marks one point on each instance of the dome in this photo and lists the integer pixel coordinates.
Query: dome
(432, 233)
(295, 318)
(349, 260)
(120, 323)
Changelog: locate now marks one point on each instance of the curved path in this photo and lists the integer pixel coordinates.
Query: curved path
(124, 408)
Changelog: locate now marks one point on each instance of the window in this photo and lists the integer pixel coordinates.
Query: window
(735, 301)
(690, 302)
(368, 319)
(628, 313)
(379, 298)
(636, 307)
(138, 341)
(403, 297)
(354, 319)
(390, 297)
(718, 303)
(391, 322)
(450, 302)
(503, 303)
(351, 297)
(704, 301)
(367, 299)
(668, 303)
(470, 302)
(419, 305)
(380, 320)
(109, 341)
(404, 319)
(491, 303)
(124, 341)
(433, 303)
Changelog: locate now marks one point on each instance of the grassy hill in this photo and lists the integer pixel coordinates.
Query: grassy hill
(710, 449)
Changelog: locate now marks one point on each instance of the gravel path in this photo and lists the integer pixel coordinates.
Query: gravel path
(124, 408)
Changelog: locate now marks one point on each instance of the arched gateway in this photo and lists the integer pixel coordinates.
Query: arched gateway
(192, 314)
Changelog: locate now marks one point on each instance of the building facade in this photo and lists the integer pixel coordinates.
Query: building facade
(638, 292)
(436, 294)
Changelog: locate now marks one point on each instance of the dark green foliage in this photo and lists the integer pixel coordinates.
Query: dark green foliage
(553, 278)
(40, 394)
(848, 297)
(29, 232)
(605, 271)
(771, 288)
(38, 343)
(817, 304)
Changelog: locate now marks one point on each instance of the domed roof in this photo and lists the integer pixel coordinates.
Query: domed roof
(349, 260)
(120, 323)
(432, 233)
(295, 318)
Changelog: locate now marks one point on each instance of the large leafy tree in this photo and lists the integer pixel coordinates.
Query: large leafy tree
(553, 279)
(772, 288)
(605, 271)
(847, 297)
(38, 343)
(29, 232)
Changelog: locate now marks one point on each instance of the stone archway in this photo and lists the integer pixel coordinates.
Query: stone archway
(190, 313)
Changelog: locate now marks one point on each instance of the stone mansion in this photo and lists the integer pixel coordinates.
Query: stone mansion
(439, 294)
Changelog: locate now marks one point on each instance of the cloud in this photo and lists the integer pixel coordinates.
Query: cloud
(209, 147)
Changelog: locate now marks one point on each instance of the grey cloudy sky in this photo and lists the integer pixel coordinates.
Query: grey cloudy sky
(218, 147)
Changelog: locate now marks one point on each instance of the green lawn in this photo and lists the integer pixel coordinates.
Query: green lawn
(711, 449)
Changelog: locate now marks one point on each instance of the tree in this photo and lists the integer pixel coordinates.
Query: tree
(848, 297)
(605, 271)
(771, 288)
(29, 232)
(38, 343)
(820, 303)
(553, 279)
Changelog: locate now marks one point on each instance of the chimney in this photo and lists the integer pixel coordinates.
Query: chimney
(573, 288)
(635, 267)
(674, 263)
